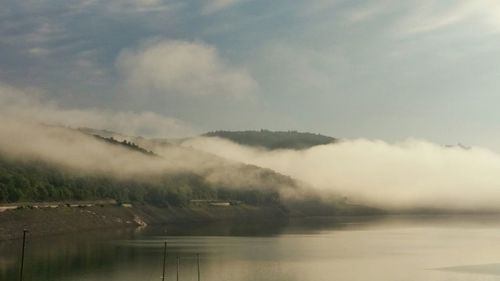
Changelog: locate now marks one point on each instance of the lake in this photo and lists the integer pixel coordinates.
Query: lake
(320, 249)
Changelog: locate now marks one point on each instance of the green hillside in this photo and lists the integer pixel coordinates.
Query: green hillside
(274, 140)
(38, 181)
(35, 180)
(204, 177)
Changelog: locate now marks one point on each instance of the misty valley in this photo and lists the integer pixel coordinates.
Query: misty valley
(243, 218)
(249, 140)
(162, 174)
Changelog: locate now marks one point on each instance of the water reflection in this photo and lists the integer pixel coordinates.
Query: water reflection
(383, 248)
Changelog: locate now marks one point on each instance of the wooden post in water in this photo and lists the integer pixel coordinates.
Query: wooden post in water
(198, 262)
(22, 255)
(178, 261)
(164, 261)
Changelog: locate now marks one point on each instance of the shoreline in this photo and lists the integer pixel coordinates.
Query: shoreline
(62, 220)
(51, 221)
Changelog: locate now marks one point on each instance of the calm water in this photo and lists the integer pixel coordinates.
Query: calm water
(411, 248)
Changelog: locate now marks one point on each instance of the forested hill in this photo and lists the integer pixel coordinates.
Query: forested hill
(106, 168)
(37, 180)
(274, 139)
(127, 144)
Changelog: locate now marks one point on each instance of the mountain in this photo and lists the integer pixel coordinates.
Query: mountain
(67, 165)
(127, 144)
(274, 139)
(81, 165)
(102, 133)
(143, 177)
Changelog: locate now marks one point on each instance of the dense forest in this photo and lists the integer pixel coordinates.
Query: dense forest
(127, 144)
(274, 140)
(35, 181)
(31, 179)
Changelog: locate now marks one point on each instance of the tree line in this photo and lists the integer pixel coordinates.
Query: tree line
(38, 181)
(274, 140)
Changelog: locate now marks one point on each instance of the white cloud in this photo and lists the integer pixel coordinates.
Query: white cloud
(30, 106)
(213, 6)
(432, 15)
(413, 173)
(39, 52)
(42, 32)
(412, 17)
(128, 6)
(122, 6)
(183, 68)
(368, 11)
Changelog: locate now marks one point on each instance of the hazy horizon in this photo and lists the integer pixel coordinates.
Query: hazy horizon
(396, 81)
(387, 70)
(249, 140)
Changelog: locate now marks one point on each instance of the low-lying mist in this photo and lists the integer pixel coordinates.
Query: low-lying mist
(31, 105)
(71, 149)
(81, 153)
(410, 174)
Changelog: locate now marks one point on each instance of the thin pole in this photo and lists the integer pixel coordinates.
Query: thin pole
(164, 261)
(22, 255)
(178, 261)
(198, 261)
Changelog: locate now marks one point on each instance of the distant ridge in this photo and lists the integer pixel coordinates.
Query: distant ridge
(102, 133)
(274, 139)
(127, 144)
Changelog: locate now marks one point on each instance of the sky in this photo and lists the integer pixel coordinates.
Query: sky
(387, 69)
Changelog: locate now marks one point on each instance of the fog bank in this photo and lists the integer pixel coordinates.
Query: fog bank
(410, 174)
(81, 153)
(29, 105)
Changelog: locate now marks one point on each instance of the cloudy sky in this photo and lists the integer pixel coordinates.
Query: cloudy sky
(386, 69)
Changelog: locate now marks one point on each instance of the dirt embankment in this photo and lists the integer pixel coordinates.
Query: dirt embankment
(48, 221)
